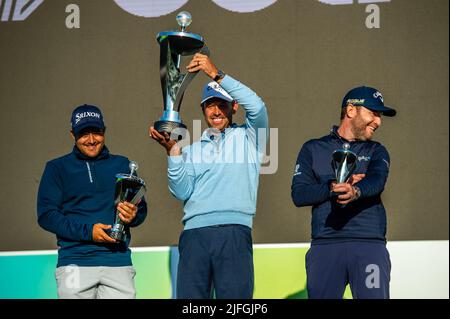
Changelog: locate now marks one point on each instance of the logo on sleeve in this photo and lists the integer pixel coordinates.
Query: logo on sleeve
(296, 171)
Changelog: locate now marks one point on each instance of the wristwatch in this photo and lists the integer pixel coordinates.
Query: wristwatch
(357, 191)
(220, 75)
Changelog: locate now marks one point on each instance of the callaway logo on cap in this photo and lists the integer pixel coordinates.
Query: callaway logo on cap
(368, 97)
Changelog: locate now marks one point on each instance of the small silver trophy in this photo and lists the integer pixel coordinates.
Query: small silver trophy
(174, 45)
(129, 188)
(343, 163)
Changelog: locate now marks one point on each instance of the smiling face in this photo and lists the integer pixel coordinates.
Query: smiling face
(90, 141)
(365, 123)
(219, 113)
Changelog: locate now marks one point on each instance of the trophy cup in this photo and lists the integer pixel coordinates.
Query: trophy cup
(174, 45)
(343, 163)
(129, 188)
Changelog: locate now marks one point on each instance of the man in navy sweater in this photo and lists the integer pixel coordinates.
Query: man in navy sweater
(348, 230)
(76, 202)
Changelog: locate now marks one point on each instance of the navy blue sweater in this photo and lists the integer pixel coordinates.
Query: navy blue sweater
(363, 219)
(77, 192)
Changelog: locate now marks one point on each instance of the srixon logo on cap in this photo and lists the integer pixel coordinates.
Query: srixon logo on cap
(82, 115)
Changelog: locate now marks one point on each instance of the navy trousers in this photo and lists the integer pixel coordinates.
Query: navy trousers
(216, 261)
(366, 266)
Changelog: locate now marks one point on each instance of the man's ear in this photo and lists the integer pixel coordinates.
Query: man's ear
(351, 111)
(235, 107)
(72, 135)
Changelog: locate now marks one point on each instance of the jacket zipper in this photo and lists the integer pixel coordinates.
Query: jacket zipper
(89, 171)
(341, 139)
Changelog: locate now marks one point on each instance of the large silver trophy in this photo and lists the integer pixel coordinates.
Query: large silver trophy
(174, 45)
(129, 188)
(343, 163)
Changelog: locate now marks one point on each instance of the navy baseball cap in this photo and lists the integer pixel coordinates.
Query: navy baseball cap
(86, 116)
(214, 90)
(368, 97)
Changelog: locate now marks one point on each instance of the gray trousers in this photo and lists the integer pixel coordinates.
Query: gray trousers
(75, 282)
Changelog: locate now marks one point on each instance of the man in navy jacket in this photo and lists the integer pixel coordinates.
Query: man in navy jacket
(76, 202)
(348, 229)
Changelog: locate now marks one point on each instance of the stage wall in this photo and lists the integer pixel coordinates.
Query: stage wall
(300, 56)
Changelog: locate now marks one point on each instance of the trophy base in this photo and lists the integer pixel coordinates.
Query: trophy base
(117, 232)
(118, 235)
(169, 126)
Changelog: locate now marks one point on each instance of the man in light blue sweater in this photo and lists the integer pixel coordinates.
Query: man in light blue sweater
(217, 179)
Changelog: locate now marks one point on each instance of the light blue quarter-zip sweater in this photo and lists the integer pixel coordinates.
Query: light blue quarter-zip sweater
(217, 177)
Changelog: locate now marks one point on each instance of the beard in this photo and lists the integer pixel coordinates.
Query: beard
(359, 129)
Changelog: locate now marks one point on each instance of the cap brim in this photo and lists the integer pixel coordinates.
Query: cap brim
(224, 98)
(85, 125)
(386, 111)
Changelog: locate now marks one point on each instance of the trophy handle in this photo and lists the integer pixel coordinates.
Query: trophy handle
(138, 196)
(169, 61)
(187, 80)
(133, 201)
(164, 66)
(343, 163)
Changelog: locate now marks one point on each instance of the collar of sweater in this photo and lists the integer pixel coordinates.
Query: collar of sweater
(103, 154)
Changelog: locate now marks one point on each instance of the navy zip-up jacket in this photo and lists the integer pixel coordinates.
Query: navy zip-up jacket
(75, 193)
(363, 219)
